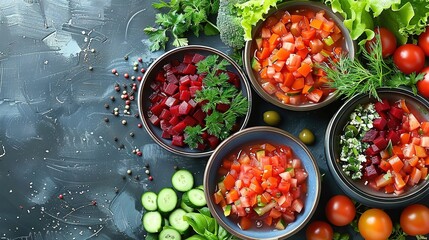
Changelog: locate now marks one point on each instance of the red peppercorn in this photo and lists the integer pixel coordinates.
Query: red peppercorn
(139, 153)
(139, 125)
(139, 78)
(93, 203)
(134, 88)
(117, 89)
(114, 71)
(132, 98)
(128, 102)
(126, 75)
(61, 196)
(142, 70)
(140, 59)
(150, 178)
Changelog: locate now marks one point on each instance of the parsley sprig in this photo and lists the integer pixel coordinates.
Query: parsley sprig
(182, 16)
(216, 90)
(351, 76)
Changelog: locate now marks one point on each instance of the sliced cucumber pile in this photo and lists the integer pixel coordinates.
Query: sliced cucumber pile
(164, 211)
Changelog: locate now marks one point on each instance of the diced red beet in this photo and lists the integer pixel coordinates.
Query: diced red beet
(157, 108)
(233, 79)
(164, 124)
(160, 77)
(154, 119)
(171, 101)
(396, 112)
(174, 120)
(379, 123)
(171, 89)
(393, 136)
(197, 57)
(372, 150)
(184, 108)
(193, 77)
(185, 80)
(196, 83)
(156, 97)
(185, 95)
(383, 115)
(176, 95)
(194, 89)
(370, 135)
(180, 127)
(155, 86)
(190, 121)
(199, 115)
(190, 69)
(382, 106)
(171, 78)
(181, 67)
(201, 146)
(222, 107)
(393, 123)
(165, 114)
(175, 110)
(205, 135)
(370, 172)
(380, 142)
(187, 58)
(213, 142)
(375, 159)
(178, 140)
(175, 62)
(165, 134)
(192, 103)
(167, 66)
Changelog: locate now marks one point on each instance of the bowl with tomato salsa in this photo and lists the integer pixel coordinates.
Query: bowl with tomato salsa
(173, 105)
(281, 59)
(262, 183)
(378, 149)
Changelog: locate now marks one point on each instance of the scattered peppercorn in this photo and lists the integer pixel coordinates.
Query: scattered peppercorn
(90, 68)
(127, 102)
(117, 89)
(112, 98)
(61, 196)
(140, 59)
(139, 78)
(116, 189)
(131, 134)
(124, 122)
(136, 68)
(126, 57)
(147, 165)
(139, 125)
(147, 171)
(150, 178)
(139, 153)
(137, 177)
(126, 75)
(106, 119)
(115, 139)
(133, 78)
(114, 71)
(129, 172)
(106, 105)
(142, 70)
(94, 203)
(121, 146)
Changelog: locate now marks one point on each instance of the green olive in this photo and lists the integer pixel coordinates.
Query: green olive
(306, 136)
(272, 118)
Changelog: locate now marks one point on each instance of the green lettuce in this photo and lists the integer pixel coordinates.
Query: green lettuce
(251, 12)
(404, 18)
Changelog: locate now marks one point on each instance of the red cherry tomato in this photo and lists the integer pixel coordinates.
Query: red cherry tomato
(319, 230)
(340, 210)
(388, 42)
(424, 41)
(375, 224)
(409, 58)
(415, 220)
(423, 85)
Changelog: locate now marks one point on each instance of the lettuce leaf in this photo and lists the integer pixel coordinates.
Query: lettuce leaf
(251, 12)
(403, 18)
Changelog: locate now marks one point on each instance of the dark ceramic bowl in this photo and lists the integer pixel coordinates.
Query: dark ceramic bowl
(260, 135)
(250, 48)
(357, 189)
(145, 91)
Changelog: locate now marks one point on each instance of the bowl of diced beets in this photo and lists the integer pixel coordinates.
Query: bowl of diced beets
(168, 100)
(282, 57)
(262, 183)
(378, 150)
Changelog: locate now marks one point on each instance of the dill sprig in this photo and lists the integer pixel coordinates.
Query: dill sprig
(216, 90)
(351, 76)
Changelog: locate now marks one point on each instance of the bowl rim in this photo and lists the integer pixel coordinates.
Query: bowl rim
(348, 41)
(345, 183)
(273, 130)
(245, 84)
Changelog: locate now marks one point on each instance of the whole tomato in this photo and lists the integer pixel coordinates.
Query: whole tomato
(388, 42)
(409, 58)
(423, 85)
(424, 41)
(415, 220)
(319, 230)
(340, 210)
(375, 224)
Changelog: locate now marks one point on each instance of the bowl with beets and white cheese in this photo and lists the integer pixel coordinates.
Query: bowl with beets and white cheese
(193, 97)
(286, 48)
(378, 149)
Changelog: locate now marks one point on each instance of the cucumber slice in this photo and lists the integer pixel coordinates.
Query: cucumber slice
(152, 222)
(196, 237)
(186, 207)
(177, 222)
(169, 234)
(167, 200)
(149, 201)
(182, 180)
(194, 198)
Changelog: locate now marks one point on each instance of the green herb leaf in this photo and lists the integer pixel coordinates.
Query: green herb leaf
(157, 36)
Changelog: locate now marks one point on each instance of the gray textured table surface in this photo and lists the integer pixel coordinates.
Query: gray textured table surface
(53, 137)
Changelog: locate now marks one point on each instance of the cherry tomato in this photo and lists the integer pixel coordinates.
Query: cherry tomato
(375, 224)
(340, 210)
(319, 230)
(415, 220)
(409, 58)
(423, 85)
(388, 42)
(272, 118)
(424, 41)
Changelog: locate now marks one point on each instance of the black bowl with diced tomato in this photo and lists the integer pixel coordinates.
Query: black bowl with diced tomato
(262, 183)
(378, 151)
(167, 103)
(282, 57)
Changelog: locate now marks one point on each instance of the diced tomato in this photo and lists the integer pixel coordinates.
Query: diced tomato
(229, 182)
